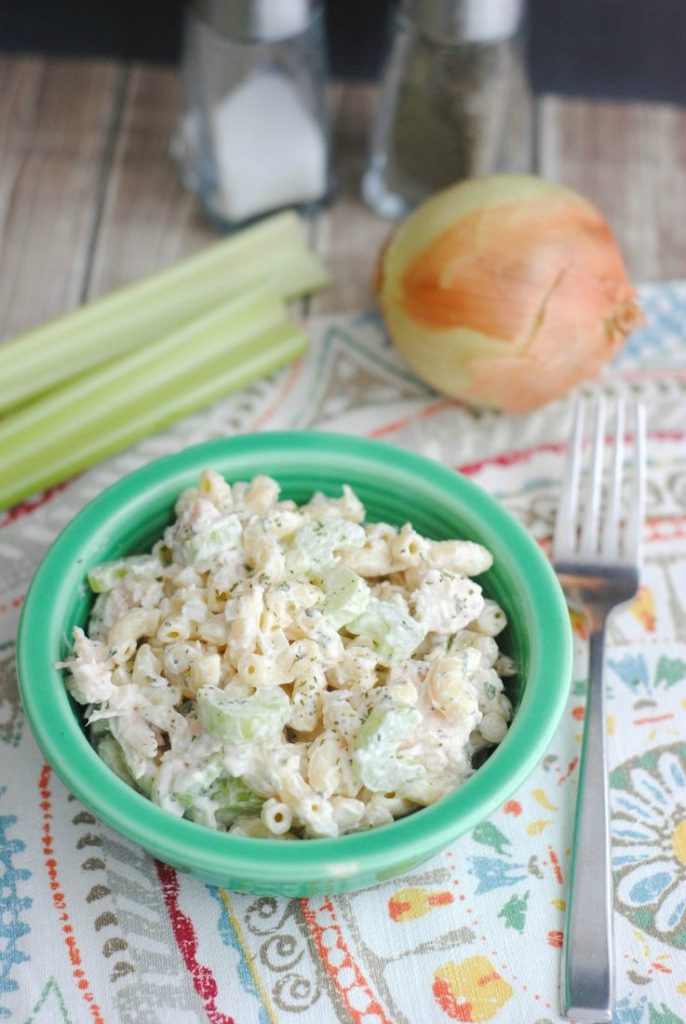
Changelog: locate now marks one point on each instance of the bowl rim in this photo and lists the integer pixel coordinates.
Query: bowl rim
(176, 840)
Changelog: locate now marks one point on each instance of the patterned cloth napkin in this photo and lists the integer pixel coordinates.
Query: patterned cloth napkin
(93, 929)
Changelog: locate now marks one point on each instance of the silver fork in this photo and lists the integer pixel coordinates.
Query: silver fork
(597, 559)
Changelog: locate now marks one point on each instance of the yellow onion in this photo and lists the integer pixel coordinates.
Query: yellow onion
(506, 291)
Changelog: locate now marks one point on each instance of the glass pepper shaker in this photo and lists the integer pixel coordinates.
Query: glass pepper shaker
(254, 133)
(454, 100)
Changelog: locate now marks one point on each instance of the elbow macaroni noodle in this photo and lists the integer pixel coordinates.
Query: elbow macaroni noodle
(291, 672)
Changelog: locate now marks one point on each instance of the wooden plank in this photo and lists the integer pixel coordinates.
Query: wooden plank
(630, 160)
(347, 235)
(53, 135)
(20, 81)
(148, 219)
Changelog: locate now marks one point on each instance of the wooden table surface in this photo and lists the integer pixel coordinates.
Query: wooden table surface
(89, 197)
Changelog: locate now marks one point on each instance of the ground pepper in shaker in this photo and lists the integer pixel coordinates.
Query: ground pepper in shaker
(454, 100)
(254, 134)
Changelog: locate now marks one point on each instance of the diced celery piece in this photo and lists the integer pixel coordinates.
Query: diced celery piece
(347, 595)
(194, 781)
(223, 535)
(96, 624)
(145, 783)
(233, 799)
(315, 544)
(243, 719)
(112, 754)
(140, 567)
(185, 799)
(395, 635)
(376, 743)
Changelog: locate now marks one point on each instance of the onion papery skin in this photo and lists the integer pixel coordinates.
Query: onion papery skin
(506, 291)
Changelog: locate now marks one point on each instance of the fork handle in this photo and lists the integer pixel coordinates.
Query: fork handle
(588, 982)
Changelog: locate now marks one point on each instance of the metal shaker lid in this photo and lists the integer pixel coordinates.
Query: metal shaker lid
(258, 20)
(473, 21)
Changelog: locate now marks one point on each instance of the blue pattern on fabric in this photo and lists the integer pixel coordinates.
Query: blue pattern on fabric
(12, 906)
(494, 873)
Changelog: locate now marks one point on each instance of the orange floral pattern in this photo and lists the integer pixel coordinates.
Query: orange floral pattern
(471, 990)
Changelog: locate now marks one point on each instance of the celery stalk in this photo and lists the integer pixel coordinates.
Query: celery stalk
(271, 253)
(134, 374)
(84, 440)
(129, 395)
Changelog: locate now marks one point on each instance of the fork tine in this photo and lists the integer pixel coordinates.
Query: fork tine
(589, 526)
(565, 523)
(610, 535)
(634, 523)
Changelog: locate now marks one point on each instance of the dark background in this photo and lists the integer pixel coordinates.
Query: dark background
(630, 49)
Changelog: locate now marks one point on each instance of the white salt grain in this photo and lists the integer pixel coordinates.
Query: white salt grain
(270, 151)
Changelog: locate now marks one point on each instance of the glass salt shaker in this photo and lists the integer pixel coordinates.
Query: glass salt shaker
(254, 133)
(454, 100)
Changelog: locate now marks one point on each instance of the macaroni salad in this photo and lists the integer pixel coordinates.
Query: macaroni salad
(276, 670)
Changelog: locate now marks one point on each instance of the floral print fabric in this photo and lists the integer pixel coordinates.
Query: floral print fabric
(92, 929)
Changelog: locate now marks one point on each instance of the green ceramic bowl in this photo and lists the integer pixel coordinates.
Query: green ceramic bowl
(395, 486)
